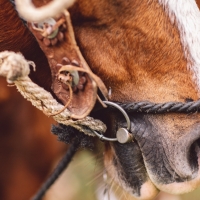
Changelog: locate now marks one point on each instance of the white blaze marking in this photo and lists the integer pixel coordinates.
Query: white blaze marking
(186, 15)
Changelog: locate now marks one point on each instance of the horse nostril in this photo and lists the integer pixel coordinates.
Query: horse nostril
(187, 154)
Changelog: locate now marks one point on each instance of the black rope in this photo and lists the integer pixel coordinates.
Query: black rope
(71, 136)
(159, 108)
(59, 169)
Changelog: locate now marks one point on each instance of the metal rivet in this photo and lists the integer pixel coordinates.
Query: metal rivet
(75, 63)
(53, 35)
(47, 42)
(54, 41)
(75, 89)
(123, 136)
(82, 80)
(65, 61)
(80, 87)
(48, 24)
(60, 36)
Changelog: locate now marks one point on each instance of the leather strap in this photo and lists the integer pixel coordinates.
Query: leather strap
(69, 70)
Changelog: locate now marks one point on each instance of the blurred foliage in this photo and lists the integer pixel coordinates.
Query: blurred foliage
(195, 195)
(80, 180)
(84, 180)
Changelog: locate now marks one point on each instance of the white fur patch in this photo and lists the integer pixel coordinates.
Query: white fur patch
(186, 15)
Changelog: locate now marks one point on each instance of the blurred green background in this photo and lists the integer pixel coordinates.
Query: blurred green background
(83, 180)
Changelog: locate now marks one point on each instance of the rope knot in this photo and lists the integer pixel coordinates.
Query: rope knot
(14, 66)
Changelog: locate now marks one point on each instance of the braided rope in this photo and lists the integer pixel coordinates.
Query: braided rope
(160, 108)
(15, 68)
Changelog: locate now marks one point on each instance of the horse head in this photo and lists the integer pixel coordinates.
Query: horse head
(146, 50)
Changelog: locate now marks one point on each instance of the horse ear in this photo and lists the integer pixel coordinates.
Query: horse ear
(73, 83)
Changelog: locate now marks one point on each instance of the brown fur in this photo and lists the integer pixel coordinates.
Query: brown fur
(126, 39)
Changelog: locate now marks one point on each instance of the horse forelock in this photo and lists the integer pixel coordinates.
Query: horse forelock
(185, 14)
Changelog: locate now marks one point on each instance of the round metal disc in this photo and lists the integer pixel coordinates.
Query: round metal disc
(123, 136)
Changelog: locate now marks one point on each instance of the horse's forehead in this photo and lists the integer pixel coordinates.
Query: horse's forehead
(144, 43)
(185, 14)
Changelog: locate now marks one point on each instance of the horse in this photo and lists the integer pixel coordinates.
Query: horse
(143, 51)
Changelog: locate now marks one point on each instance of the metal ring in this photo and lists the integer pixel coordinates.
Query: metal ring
(102, 137)
(122, 111)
